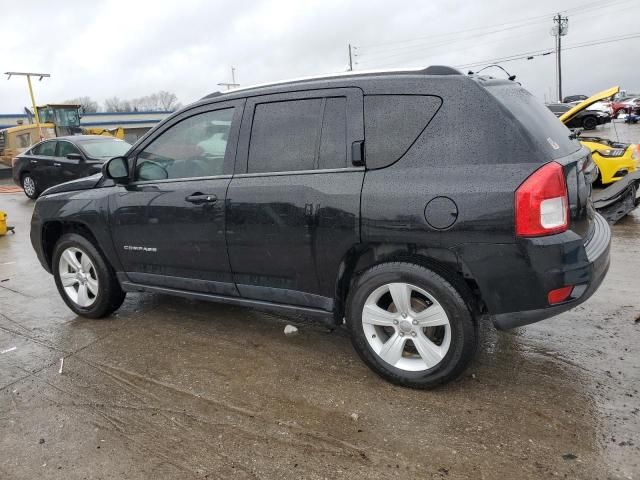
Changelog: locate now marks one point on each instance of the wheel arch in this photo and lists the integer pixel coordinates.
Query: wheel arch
(442, 261)
(53, 230)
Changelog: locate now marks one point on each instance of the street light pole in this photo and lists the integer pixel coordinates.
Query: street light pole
(233, 83)
(33, 101)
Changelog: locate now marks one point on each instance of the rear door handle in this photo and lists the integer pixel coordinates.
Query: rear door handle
(199, 198)
(34, 161)
(56, 164)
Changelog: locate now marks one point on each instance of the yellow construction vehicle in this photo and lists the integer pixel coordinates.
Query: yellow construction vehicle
(56, 120)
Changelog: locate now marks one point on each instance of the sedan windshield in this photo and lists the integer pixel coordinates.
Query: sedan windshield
(107, 148)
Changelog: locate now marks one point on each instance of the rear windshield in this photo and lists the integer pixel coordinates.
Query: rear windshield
(538, 120)
(105, 148)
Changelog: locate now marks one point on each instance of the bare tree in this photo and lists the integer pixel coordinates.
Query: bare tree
(87, 104)
(162, 100)
(167, 101)
(114, 104)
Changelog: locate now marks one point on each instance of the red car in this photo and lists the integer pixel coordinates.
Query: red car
(625, 105)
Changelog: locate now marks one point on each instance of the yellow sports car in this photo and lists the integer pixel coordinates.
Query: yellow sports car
(614, 159)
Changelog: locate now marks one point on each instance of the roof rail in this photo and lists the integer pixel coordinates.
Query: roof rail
(441, 70)
(213, 95)
(432, 70)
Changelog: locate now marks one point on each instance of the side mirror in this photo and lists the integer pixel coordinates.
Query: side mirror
(117, 169)
(75, 156)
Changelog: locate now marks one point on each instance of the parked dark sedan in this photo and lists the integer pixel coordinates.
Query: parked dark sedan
(61, 159)
(587, 119)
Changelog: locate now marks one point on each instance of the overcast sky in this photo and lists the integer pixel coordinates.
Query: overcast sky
(134, 48)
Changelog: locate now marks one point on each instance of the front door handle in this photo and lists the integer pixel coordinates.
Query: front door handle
(34, 161)
(56, 164)
(199, 198)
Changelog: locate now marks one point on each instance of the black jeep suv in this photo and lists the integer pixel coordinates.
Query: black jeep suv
(409, 205)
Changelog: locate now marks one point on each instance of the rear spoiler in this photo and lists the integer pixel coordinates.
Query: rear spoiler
(619, 199)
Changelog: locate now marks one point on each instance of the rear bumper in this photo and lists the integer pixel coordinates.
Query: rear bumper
(597, 270)
(514, 280)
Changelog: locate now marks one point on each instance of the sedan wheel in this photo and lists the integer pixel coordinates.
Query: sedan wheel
(406, 327)
(78, 277)
(29, 186)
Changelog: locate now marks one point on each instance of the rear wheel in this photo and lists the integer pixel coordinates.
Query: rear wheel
(410, 325)
(29, 186)
(589, 123)
(85, 280)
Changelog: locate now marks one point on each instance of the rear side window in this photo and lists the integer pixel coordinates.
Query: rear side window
(47, 149)
(295, 135)
(392, 123)
(284, 136)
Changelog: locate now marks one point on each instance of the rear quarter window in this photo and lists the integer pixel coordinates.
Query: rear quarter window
(543, 126)
(392, 123)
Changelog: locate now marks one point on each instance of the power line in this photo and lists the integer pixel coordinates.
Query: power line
(539, 53)
(375, 59)
(578, 10)
(449, 50)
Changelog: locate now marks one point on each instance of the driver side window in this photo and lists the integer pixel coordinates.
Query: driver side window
(195, 147)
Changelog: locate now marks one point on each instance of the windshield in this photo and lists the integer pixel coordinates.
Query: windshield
(107, 148)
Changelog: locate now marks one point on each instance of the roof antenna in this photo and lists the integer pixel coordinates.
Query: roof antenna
(509, 76)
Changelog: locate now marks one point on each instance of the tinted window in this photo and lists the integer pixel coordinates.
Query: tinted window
(45, 148)
(65, 148)
(284, 136)
(392, 123)
(195, 147)
(551, 135)
(333, 138)
(107, 148)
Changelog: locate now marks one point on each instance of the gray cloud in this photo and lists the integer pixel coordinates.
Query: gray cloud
(130, 49)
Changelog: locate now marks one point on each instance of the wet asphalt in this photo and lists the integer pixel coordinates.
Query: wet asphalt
(171, 388)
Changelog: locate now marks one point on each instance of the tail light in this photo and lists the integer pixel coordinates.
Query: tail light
(542, 203)
(13, 161)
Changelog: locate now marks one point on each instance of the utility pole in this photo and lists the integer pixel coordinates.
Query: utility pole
(233, 83)
(350, 59)
(33, 101)
(559, 30)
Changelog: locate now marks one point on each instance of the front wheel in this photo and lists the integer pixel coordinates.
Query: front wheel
(410, 325)
(85, 280)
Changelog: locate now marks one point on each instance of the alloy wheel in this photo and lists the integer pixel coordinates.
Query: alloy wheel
(406, 327)
(29, 186)
(78, 277)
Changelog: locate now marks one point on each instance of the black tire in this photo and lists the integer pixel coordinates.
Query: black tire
(463, 344)
(110, 296)
(589, 123)
(31, 192)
